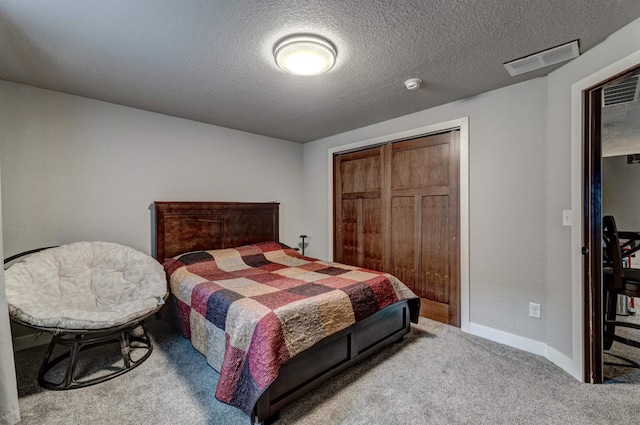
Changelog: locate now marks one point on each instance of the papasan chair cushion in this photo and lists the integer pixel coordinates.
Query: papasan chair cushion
(84, 285)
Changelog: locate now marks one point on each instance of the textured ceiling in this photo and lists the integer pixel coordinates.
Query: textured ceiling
(621, 121)
(211, 61)
(621, 129)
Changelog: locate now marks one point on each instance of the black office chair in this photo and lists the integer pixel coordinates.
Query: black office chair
(618, 280)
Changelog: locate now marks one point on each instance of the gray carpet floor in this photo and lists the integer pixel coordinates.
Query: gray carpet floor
(437, 375)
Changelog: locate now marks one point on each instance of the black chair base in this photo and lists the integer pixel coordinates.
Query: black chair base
(611, 323)
(75, 342)
(610, 336)
(618, 279)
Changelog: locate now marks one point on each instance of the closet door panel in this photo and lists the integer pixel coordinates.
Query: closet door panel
(358, 210)
(402, 247)
(421, 163)
(349, 231)
(420, 167)
(371, 236)
(360, 175)
(434, 249)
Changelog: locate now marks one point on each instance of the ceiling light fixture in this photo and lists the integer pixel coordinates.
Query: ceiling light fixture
(305, 54)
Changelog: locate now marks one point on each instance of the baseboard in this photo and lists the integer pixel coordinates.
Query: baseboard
(526, 344)
(31, 340)
(564, 363)
(515, 341)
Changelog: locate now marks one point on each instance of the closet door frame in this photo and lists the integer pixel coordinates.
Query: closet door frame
(461, 124)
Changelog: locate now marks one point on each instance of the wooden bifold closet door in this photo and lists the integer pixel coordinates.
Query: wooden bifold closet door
(396, 209)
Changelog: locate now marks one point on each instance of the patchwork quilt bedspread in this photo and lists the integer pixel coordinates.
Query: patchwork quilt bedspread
(252, 308)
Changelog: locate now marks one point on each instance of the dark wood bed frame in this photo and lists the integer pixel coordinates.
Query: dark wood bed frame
(188, 226)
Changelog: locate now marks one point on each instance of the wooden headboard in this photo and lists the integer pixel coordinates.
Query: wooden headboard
(190, 226)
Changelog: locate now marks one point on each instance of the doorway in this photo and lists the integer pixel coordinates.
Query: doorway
(607, 107)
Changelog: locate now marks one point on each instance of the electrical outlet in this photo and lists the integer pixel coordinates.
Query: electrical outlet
(534, 310)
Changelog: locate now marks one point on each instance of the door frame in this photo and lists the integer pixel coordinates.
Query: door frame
(592, 203)
(586, 291)
(592, 233)
(461, 124)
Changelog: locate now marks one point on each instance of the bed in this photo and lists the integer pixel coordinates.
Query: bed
(217, 255)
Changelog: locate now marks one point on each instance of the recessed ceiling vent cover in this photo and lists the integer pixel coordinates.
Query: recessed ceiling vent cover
(543, 59)
(624, 91)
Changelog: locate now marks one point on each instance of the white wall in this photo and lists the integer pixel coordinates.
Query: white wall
(621, 192)
(9, 408)
(75, 168)
(507, 199)
(78, 169)
(523, 171)
(563, 181)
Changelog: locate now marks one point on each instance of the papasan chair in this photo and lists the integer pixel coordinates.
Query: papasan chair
(87, 294)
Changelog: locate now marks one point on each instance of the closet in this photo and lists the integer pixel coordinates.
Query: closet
(396, 209)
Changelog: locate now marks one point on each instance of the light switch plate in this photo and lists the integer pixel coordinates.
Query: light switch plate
(534, 310)
(567, 219)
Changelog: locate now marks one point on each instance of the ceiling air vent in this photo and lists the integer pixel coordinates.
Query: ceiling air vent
(624, 91)
(543, 59)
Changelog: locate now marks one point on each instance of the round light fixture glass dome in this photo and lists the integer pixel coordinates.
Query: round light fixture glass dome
(305, 54)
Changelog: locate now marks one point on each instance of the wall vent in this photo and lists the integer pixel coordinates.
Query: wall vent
(624, 91)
